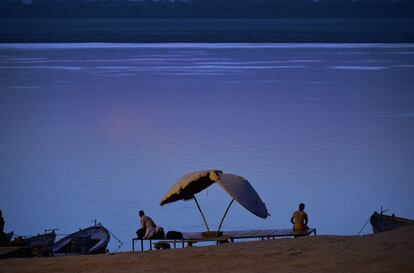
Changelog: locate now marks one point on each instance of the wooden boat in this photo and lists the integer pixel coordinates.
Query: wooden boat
(24, 247)
(40, 241)
(381, 222)
(91, 240)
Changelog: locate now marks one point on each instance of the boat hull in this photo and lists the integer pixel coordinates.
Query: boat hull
(381, 222)
(41, 241)
(5, 239)
(91, 240)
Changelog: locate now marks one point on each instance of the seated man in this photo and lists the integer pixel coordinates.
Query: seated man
(148, 228)
(2, 234)
(300, 219)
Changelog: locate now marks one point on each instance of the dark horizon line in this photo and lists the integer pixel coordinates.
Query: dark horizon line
(47, 9)
(207, 30)
(213, 18)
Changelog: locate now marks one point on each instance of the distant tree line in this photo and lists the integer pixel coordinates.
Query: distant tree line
(207, 9)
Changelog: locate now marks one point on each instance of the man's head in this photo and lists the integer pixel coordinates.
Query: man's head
(141, 213)
(301, 206)
(1, 213)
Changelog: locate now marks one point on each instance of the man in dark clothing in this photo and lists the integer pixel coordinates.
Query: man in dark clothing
(1, 225)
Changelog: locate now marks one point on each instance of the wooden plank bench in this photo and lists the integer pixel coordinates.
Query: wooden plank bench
(178, 241)
(195, 237)
(193, 241)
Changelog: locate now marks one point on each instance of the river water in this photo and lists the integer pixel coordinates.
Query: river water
(99, 131)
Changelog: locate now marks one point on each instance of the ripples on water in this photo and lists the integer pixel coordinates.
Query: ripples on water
(103, 130)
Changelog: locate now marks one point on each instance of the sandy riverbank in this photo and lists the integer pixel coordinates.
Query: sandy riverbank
(385, 252)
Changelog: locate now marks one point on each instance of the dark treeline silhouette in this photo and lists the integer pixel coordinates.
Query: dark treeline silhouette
(207, 9)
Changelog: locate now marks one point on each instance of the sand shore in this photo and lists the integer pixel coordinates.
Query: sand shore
(384, 252)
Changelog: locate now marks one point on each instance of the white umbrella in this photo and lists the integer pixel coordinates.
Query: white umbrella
(242, 191)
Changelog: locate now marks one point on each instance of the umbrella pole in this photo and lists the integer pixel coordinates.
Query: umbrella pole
(225, 213)
(202, 215)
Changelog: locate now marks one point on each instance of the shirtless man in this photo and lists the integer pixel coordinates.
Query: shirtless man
(300, 219)
(148, 227)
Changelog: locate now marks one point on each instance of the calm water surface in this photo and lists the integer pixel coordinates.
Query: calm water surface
(99, 131)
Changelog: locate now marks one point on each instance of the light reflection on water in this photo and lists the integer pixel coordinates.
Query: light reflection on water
(101, 131)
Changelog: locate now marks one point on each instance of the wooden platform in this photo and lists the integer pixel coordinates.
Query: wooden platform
(194, 237)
